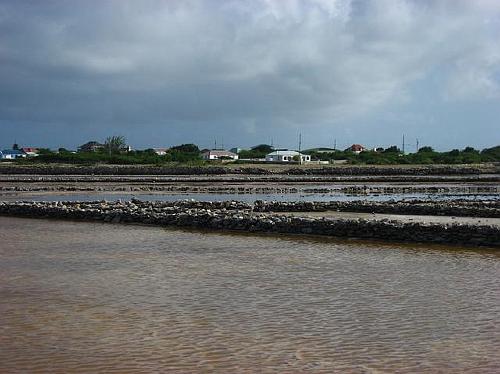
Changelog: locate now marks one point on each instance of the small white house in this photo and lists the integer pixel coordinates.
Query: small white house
(287, 156)
(160, 151)
(219, 155)
(11, 154)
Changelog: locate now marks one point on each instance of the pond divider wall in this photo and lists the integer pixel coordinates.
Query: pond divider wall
(245, 189)
(237, 216)
(55, 169)
(460, 208)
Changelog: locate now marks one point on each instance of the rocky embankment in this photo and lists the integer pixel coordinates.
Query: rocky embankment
(399, 189)
(249, 189)
(55, 169)
(275, 179)
(395, 170)
(238, 216)
(460, 208)
(419, 170)
(152, 188)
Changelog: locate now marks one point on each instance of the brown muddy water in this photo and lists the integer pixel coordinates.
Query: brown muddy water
(93, 297)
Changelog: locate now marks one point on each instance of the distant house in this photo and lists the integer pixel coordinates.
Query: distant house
(356, 148)
(287, 156)
(92, 146)
(30, 151)
(219, 155)
(160, 151)
(12, 154)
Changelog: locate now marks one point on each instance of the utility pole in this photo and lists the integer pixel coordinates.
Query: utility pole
(215, 144)
(300, 141)
(334, 144)
(222, 145)
(403, 143)
(417, 145)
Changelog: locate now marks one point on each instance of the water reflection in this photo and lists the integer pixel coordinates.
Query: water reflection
(83, 297)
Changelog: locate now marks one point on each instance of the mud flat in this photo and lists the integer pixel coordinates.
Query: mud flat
(237, 216)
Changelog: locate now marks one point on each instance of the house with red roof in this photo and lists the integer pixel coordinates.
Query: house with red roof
(30, 151)
(356, 148)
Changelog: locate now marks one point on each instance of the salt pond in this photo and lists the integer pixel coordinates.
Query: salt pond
(93, 297)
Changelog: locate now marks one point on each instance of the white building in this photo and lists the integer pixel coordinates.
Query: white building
(11, 154)
(219, 155)
(287, 156)
(160, 151)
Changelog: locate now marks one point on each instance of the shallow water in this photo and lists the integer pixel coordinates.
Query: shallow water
(249, 198)
(93, 297)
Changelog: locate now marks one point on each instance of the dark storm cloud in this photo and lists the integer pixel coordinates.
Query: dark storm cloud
(254, 66)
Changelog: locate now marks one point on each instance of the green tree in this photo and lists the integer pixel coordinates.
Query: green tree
(470, 150)
(44, 151)
(425, 149)
(491, 154)
(114, 143)
(259, 151)
(263, 148)
(186, 148)
(392, 149)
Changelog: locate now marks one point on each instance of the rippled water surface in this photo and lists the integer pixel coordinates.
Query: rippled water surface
(84, 297)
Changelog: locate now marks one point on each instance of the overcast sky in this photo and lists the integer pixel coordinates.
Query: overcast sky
(245, 72)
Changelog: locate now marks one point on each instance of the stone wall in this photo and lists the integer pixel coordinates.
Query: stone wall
(57, 169)
(463, 208)
(224, 188)
(392, 170)
(241, 217)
